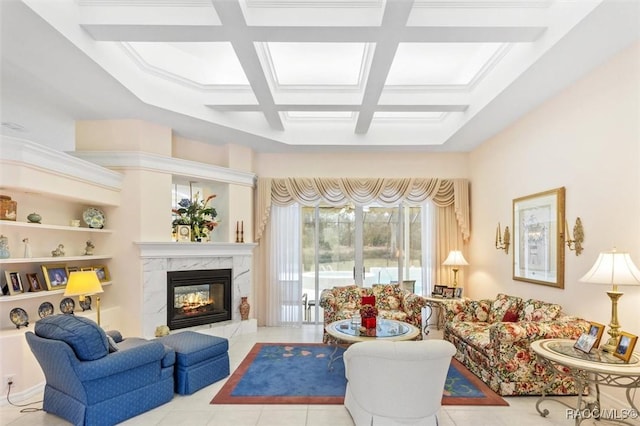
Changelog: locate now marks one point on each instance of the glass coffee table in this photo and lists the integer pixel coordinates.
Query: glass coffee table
(386, 329)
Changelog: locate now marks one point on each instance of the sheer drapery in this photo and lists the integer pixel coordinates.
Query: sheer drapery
(450, 196)
(284, 306)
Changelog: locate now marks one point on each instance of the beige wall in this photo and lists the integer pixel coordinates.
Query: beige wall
(586, 139)
(379, 164)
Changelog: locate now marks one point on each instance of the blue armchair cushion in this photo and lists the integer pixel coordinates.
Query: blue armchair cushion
(85, 337)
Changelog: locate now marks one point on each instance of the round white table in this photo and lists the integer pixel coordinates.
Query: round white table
(595, 368)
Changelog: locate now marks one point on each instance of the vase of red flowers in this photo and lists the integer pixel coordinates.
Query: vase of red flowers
(369, 314)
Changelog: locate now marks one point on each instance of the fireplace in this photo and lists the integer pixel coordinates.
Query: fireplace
(198, 297)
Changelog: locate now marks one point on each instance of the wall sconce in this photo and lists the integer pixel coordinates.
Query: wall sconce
(503, 241)
(574, 244)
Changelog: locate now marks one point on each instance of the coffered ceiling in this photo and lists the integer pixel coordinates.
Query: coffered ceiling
(287, 75)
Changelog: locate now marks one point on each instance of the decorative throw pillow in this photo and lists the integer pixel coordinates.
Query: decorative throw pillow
(510, 316)
(113, 347)
(502, 304)
(537, 310)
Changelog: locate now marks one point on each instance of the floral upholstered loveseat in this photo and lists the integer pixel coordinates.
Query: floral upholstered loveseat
(392, 302)
(493, 339)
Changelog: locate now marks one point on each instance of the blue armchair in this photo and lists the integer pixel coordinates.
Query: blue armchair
(89, 380)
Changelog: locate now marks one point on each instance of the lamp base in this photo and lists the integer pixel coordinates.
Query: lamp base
(614, 326)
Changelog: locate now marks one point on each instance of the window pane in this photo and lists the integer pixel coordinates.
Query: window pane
(380, 240)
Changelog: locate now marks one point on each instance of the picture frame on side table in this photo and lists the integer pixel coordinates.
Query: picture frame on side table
(183, 233)
(56, 276)
(457, 293)
(624, 347)
(596, 329)
(438, 290)
(34, 282)
(538, 238)
(585, 342)
(14, 282)
(102, 272)
(448, 292)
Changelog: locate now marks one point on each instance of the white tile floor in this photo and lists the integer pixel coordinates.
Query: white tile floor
(195, 409)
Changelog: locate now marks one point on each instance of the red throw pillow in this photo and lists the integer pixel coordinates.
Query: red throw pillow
(510, 316)
(368, 300)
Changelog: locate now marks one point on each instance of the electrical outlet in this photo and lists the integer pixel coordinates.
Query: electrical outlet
(9, 378)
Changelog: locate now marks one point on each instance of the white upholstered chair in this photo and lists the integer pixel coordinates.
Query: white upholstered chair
(396, 383)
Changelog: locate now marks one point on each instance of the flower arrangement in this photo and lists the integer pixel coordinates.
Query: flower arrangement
(197, 214)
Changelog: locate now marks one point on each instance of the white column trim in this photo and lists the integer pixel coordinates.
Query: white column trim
(30, 154)
(164, 164)
(175, 250)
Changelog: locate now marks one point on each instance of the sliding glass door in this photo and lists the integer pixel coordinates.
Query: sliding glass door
(359, 244)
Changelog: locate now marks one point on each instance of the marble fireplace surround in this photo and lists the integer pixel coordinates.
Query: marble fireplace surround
(159, 258)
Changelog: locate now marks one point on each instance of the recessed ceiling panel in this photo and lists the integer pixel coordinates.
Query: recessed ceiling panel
(425, 64)
(201, 62)
(317, 64)
(319, 115)
(409, 115)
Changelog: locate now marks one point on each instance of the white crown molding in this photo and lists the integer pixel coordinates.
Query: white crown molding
(174, 249)
(30, 154)
(146, 3)
(171, 165)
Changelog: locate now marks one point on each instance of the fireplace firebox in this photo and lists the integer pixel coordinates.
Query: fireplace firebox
(198, 297)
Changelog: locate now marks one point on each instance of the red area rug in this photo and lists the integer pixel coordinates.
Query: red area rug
(296, 373)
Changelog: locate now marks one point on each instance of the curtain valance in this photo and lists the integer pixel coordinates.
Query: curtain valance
(341, 191)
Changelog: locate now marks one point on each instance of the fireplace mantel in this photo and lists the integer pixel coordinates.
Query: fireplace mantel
(173, 249)
(158, 258)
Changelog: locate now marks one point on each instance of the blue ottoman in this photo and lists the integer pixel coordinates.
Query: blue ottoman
(200, 360)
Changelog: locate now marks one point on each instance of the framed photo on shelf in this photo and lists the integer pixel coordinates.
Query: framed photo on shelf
(183, 233)
(596, 329)
(457, 292)
(538, 238)
(102, 272)
(34, 282)
(585, 342)
(56, 276)
(14, 282)
(625, 345)
(438, 290)
(448, 292)
(73, 268)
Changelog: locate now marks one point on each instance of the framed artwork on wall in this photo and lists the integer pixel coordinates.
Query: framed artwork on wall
(538, 241)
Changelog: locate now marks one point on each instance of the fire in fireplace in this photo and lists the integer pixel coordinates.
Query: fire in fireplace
(198, 297)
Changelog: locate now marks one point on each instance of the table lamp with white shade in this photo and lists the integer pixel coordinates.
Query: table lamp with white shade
(82, 284)
(455, 259)
(615, 268)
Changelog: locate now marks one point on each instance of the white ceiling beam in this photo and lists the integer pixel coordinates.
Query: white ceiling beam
(233, 21)
(394, 19)
(209, 33)
(342, 107)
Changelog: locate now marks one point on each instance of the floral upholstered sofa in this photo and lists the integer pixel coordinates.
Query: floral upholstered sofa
(493, 338)
(392, 302)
